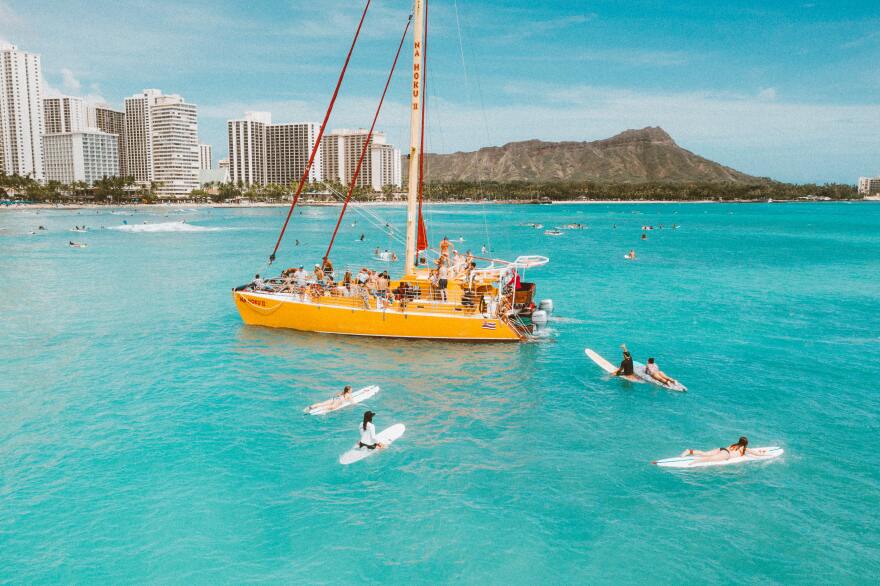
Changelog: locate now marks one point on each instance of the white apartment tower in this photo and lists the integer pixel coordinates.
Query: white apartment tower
(162, 143)
(288, 147)
(205, 156)
(64, 114)
(86, 155)
(869, 185)
(342, 150)
(105, 118)
(21, 113)
(247, 148)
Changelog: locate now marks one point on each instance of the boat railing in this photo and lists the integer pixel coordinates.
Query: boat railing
(457, 302)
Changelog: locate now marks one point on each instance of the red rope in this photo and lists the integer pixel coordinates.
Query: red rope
(422, 234)
(305, 174)
(366, 147)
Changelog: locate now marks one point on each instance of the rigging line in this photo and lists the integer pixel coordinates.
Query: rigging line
(367, 143)
(305, 174)
(485, 123)
(374, 219)
(421, 228)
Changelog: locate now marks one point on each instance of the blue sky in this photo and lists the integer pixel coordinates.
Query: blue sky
(789, 90)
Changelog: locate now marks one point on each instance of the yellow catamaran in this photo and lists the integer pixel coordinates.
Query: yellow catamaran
(488, 303)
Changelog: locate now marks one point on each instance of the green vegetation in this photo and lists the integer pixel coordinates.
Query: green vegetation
(568, 191)
(115, 190)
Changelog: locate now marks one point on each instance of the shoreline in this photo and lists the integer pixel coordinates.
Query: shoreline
(143, 206)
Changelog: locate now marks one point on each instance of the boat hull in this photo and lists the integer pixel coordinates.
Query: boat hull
(288, 312)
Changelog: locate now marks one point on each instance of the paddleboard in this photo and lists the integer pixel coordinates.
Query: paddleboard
(639, 369)
(386, 437)
(337, 403)
(608, 367)
(769, 453)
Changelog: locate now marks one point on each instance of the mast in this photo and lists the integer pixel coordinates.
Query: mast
(415, 128)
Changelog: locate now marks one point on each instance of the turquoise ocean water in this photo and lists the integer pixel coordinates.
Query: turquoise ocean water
(146, 435)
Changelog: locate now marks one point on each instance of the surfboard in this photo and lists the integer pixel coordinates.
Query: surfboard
(337, 403)
(608, 367)
(386, 437)
(639, 369)
(769, 453)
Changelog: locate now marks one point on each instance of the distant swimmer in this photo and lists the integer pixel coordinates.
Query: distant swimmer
(654, 372)
(483, 250)
(297, 242)
(631, 255)
(362, 237)
(626, 366)
(739, 449)
(368, 433)
(644, 235)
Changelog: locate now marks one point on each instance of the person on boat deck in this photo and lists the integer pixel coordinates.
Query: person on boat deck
(654, 372)
(468, 258)
(346, 281)
(626, 366)
(368, 433)
(257, 283)
(382, 285)
(737, 450)
(319, 276)
(442, 278)
(328, 267)
(444, 247)
(300, 279)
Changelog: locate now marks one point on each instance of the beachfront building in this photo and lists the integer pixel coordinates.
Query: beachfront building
(21, 113)
(205, 156)
(64, 114)
(869, 185)
(161, 142)
(105, 118)
(246, 138)
(288, 147)
(342, 150)
(86, 155)
(261, 153)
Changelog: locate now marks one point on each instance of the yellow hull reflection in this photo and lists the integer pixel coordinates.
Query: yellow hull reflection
(348, 316)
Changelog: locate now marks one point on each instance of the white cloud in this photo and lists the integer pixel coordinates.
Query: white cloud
(768, 94)
(69, 82)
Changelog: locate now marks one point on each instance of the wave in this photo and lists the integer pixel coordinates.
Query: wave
(164, 227)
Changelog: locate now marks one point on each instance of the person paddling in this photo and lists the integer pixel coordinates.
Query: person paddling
(626, 366)
(368, 433)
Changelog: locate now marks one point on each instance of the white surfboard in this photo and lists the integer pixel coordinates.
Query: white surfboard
(337, 403)
(608, 367)
(386, 437)
(639, 369)
(759, 455)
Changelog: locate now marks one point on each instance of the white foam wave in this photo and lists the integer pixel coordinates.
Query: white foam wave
(164, 227)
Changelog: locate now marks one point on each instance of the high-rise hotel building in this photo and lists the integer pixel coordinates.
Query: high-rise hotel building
(205, 156)
(85, 155)
(105, 118)
(162, 142)
(261, 153)
(21, 113)
(64, 114)
(342, 150)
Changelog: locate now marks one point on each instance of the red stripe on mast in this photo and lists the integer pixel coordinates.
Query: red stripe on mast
(422, 239)
(305, 174)
(366, 147)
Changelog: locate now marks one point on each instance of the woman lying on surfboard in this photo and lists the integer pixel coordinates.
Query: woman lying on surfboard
(654, 372)
(368, 433)
(739, 449)
(339, 399)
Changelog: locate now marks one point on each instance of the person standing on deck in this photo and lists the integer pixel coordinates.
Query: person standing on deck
(444, 247)
(442, 278)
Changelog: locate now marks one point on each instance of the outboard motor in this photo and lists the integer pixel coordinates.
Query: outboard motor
(539, 317)
(546, 306)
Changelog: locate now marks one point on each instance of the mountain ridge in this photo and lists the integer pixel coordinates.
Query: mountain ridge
(632, 156)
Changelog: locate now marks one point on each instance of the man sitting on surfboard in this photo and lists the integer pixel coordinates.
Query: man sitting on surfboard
(368, 433)
(654, 372)
(626, 367)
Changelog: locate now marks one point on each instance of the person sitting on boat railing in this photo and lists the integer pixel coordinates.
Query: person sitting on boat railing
(402, 294)
(328, 267)
(346, 282)
(258, 284)
(468, 259)
(382, 285)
